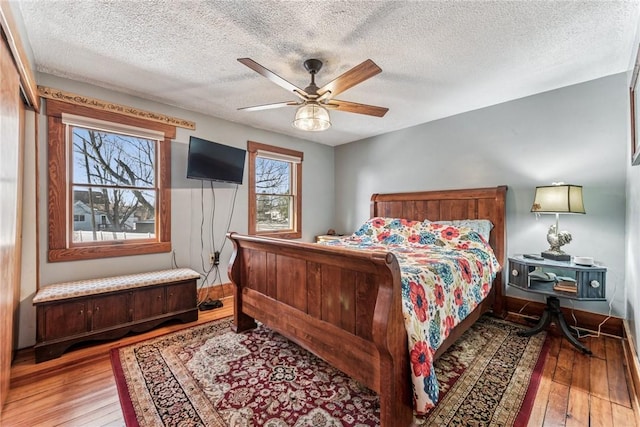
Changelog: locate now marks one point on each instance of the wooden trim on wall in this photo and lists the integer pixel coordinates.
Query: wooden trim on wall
(253, 146)
(27, 80)
(633, 368)
(55, 108)
(163, 226)
(586, 320)
(251, 226)
(57, 228)
(97, 104)
(37, 195)
(218, 291)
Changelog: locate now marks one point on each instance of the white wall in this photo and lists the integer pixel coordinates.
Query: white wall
(576, 134)
(187, 212)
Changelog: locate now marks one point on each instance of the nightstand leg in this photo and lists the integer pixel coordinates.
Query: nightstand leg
(552, 311)
(553, 304)
(567, 333)
(544, 321)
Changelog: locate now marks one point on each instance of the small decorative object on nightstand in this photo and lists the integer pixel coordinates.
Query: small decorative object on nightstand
(557, 279)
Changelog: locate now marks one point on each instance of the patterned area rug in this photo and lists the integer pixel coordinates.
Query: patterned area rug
(209, 376)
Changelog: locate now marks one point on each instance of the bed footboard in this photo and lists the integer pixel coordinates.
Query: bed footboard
(342, 305)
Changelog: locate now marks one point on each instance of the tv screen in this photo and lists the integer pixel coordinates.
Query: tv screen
(215, 162)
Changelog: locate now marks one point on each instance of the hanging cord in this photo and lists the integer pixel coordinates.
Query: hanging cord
(589, 334)
(213, 215)
(212, 274)
(174, 263)
(523, 307)
(224, 241)
(202, 277)
(215, 269)
(202, 224)
(233, 207)
(206, 271)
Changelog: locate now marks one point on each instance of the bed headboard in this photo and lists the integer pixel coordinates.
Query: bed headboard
(474, 203)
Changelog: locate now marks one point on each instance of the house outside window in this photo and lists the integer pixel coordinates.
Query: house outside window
(275, 191)
(107, 171)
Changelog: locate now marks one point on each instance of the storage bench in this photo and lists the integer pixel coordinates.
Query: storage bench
(108, 308)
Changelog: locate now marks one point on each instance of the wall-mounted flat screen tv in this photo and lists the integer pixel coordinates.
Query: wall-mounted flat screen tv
(214, 162)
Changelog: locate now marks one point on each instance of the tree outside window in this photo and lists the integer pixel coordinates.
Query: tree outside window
(113, 185)
(275, 177)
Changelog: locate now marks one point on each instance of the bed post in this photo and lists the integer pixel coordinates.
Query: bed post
(499, 247)
(241, 321)
(390, 338)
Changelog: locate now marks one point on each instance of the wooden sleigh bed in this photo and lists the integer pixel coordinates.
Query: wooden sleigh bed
(344, 305)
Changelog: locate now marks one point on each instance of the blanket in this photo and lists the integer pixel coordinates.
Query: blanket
(446, 272)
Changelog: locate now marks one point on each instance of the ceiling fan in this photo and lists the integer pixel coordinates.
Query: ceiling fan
(312, 114)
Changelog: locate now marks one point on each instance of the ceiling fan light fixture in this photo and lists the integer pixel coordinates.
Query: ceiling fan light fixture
(312, 117)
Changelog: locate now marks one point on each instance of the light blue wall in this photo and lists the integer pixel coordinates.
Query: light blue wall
(189, 202)
(576, 134)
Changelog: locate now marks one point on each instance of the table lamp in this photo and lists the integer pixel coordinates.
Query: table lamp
(557, 199)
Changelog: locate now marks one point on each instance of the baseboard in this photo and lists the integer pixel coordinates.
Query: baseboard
(215, 291)
(586, 320)
(633, 369)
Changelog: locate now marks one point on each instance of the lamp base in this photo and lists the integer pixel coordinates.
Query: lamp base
(556, 256)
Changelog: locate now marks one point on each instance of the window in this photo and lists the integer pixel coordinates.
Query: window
(109, 192)
(275, 191)
(112, 178)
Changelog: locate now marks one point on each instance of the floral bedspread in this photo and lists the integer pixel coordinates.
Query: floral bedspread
(446, 272)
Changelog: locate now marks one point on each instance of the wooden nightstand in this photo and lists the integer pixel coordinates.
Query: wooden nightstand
(557, 279)
(330, 237)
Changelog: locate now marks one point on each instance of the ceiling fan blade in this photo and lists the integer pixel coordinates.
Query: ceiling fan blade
(270, 106)
(273, 77)
(354, 107)
(356, 75)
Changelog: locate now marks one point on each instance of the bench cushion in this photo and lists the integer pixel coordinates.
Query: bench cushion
(79, 288)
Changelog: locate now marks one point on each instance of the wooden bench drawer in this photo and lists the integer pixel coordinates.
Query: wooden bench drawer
(66, 319)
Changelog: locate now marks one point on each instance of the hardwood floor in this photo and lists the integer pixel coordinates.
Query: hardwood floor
(78, 389)
(581, 390)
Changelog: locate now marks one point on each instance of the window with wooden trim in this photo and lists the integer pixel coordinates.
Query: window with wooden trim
(109, 184)
(275, 191)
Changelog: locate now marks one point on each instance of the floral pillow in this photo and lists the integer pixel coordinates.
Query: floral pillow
(481, 226)
(389, 230)
(440, 234)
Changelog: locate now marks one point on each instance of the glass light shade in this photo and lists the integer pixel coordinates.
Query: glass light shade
(312, 117)
(558, 199)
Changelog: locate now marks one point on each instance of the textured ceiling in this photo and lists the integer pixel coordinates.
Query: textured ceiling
(438, 58)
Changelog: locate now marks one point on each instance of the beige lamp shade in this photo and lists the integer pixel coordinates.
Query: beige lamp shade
(312, 117)
(558, 199)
